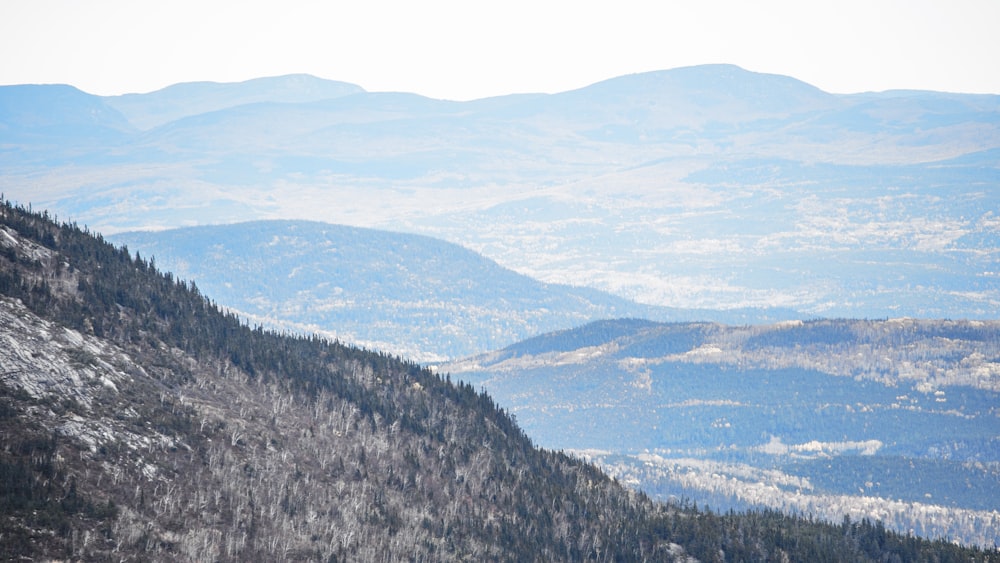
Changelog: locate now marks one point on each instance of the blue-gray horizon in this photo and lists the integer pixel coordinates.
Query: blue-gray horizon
(453, 50)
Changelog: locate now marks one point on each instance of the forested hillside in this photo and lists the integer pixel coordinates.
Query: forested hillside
(141, 423)
(895, 419)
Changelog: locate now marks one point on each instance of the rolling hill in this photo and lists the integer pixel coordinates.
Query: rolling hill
(895, 419)
(415, 296)
(146, 111)
(706, 187)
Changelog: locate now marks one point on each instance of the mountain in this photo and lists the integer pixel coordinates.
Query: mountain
(146, 111)
(894, 419)
(52, 125)
(59, 109)
(708, 187)
(411, 295)
(691, 97)
(141, 422)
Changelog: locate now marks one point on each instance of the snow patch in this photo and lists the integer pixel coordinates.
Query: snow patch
(815, 448)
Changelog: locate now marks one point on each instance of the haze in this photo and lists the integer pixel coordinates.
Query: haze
(461, 50)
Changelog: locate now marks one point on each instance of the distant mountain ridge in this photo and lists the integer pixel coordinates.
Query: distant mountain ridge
(412, 295)
(708, 187)
(57, 116)
(146, 111)
(693, 96)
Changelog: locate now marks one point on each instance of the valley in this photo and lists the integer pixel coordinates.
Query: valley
(895, 420)
(410, 295)
(140, 421)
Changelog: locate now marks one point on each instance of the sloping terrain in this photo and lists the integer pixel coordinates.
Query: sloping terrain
(707, 187)
(894, 419)
(141, 423)
(421, 298)
(146, 111)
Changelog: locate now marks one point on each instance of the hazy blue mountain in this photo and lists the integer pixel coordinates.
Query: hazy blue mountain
(705, 187)
(146, 111)
(57, 109)
(896, 418)
(54, 124)
(412, 295)
(662, 101)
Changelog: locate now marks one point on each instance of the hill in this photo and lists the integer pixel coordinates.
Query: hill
(55, 125)
(894, 419)
(140, 422)
(411, 295)
(707, 187)
(150, 110)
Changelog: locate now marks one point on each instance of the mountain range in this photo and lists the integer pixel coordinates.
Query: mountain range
(141, 422)
(706, 187)
(329, 217)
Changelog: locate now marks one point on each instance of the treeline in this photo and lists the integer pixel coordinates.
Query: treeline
(885, 332)
(757, 535)
(232, 443)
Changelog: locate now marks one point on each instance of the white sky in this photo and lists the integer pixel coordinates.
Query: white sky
(464, 49)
